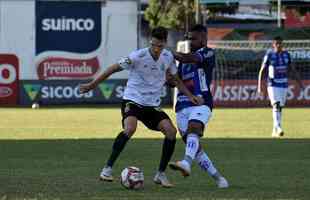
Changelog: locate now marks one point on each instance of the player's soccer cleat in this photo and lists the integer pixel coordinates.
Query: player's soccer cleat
(161, 179)
(274, 134)
(181, 166)
(106, 174)
(222, 182)
(277, 132)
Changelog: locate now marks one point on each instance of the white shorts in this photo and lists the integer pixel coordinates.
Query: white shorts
(200, 113)
(277, 94)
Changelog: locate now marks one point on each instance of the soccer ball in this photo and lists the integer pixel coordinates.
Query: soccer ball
(35, 106)
(132, 178)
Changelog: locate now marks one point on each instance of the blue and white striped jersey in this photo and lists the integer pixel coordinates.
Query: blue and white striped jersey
(197, 78)
(277, 65)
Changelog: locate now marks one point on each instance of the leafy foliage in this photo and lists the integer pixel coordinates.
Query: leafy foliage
(170, 13)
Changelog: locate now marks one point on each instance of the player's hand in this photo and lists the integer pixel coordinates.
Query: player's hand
(170, 80)
(197, 100)
(86, 87)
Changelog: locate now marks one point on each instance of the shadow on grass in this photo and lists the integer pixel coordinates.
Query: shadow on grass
(68, 169)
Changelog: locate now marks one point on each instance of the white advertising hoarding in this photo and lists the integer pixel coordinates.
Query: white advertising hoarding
(76, 42)
(17, 29)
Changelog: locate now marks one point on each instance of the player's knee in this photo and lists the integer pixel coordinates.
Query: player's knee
(170, 132)
(130, 130)
(168, 129)
(277, 106)
(195, 128)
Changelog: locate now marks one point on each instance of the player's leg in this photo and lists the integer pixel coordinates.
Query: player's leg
(168, 129)
(201, 156)
(282, 93)
(207, 165)
(273, 102)
(158, 120)
(276, 115)
(191, 148)
(195, 117)
(129, 112)
(277, 98)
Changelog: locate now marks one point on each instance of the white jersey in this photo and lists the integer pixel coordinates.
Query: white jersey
(147, 76)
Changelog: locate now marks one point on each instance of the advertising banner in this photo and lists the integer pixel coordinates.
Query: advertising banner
(68, 39)
(9, 70)
(53, 92)
(17, 34)
(243, 93)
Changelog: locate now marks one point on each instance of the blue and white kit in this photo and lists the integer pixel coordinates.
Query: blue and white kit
(277, 64)
(197, 78)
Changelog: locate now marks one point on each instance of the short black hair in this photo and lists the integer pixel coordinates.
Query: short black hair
(278, 38)
(199, 28)
(160, 33)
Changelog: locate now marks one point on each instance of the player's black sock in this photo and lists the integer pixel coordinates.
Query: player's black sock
(119, 144)
(167, 151)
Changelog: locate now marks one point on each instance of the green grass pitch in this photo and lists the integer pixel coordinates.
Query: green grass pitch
(57, 154)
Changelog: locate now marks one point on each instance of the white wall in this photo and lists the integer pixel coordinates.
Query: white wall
(17, 33)
(121, 30)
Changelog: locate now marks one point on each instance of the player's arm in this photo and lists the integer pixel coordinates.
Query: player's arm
(170, 80)
(181, 87)
(84, 88)
(265, 63)
(260, 75)
(186, 57)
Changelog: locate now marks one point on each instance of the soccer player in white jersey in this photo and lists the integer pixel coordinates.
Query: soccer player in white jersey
(147, 75)
(195, 70)
(277, 61)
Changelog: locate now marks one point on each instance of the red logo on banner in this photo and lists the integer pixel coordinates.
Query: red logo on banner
(8, 79)
(65, 68)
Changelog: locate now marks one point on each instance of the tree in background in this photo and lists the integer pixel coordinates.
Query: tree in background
(180, 14)
(172, 14)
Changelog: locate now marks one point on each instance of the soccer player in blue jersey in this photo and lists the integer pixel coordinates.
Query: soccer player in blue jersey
(195, 70)
(277, 61)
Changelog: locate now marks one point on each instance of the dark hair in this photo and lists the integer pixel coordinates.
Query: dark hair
(278, 38)
(199, 28)
(160, 33)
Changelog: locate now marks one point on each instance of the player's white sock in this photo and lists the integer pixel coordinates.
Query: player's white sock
(279, 118)
(276, 115)
(192, 145)
(205, 163)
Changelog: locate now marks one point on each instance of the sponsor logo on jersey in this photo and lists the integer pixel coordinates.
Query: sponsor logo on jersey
(208, 54)
(142, 54)
(165, 54)
(127, 107)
